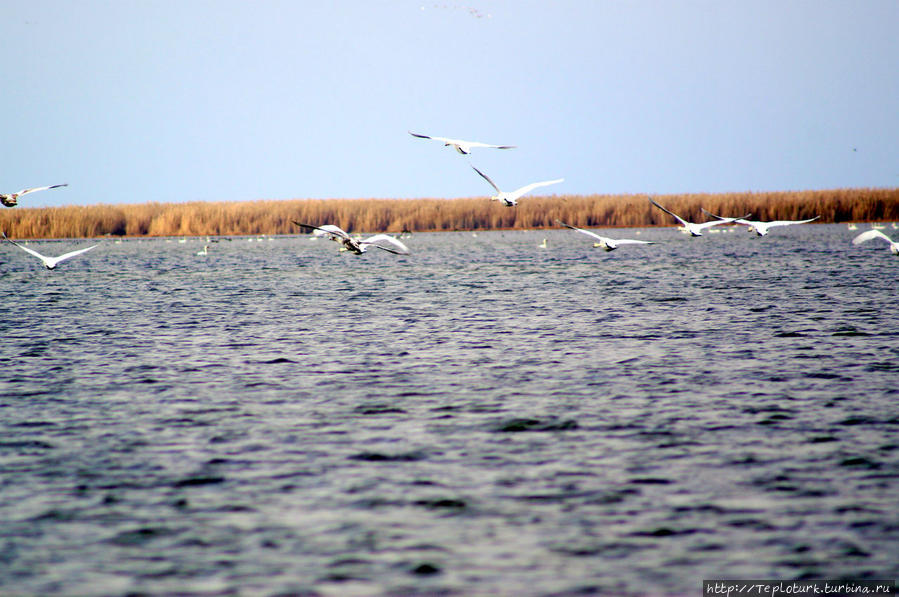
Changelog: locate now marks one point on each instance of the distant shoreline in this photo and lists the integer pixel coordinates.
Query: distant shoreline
(272, 217)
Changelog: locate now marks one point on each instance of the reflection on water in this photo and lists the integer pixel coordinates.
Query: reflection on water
(482, 416)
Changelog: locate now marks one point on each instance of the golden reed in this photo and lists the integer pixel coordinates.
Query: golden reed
(425, 215)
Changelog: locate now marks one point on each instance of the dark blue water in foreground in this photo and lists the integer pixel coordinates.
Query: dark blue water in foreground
(483, 416)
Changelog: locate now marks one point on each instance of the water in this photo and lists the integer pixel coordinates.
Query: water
(481, 417)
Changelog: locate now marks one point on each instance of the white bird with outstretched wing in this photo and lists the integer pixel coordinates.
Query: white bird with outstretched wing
(761, 228)
(868, 235)
(693, 228)
(355, 246)
(511, 199)
(12, 199)
(463, 147)
(49, 262)
(609, 244)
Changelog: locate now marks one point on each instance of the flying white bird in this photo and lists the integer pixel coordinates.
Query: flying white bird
(12, 199)
(695, 229)
(463, 147)
(866, 236)
(761, 228)
(609, 244)
(359, 246)
(511, 199)
(49, 262)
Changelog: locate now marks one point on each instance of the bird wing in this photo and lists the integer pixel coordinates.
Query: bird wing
(528, 188)
(442, 139)
(71, 254)
(627, 241)
(26, 249)
(679, 219)
(788, 222)
(868, 235)
(476, 144)
(328, 228)
(581, 230)
(401, 249)
(35, 189)
(487, 178)
(335, 230)
(705, 225)
(727, 220)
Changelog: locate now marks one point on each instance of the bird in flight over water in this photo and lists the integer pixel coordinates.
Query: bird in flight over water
(49, 262)
(609, 244)
(12, 199)
(692, 228)
(358, 247)
(463, 147)
(869, 234)
(761, 228)
(511, 199)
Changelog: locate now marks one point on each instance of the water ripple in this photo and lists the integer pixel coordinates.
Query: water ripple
(476, 418)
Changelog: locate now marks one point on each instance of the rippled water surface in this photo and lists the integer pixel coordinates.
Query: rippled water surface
(484, 416)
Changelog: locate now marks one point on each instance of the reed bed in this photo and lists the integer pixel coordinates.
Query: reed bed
(425, 215)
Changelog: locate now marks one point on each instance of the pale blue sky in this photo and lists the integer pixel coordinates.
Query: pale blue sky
(183, 100)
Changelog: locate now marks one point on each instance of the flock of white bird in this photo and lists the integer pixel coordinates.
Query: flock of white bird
(610, 244)
(393, 245)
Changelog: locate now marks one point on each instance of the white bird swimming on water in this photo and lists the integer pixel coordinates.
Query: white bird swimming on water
(868, 235)
(761, 228)
(692, 228)
(609, 244)
(511, 199)
(205, 250)
(12, 199)
(49, 262)
(359, 246)
(463, 147)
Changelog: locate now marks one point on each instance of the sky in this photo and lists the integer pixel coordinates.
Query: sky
(133, 101)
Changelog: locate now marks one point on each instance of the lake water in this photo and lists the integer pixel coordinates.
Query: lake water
(483, 416)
